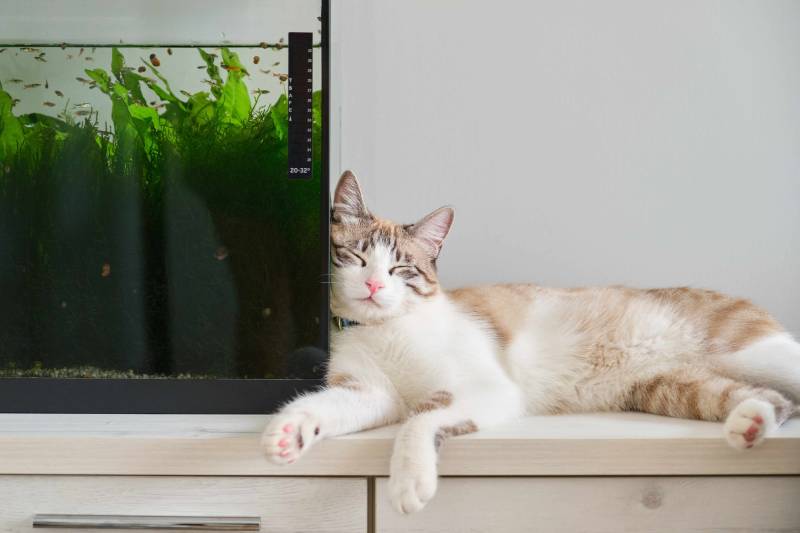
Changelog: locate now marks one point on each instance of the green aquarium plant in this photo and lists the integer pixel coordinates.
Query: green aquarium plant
(171, 243)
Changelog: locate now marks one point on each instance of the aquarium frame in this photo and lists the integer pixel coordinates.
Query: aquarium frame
(188, 396)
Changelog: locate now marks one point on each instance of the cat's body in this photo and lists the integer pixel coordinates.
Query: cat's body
(452, 362)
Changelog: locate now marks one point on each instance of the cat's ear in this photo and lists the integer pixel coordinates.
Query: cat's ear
(433, 228)
(348, 201)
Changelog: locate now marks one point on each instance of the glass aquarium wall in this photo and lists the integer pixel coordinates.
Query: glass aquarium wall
(149, 227)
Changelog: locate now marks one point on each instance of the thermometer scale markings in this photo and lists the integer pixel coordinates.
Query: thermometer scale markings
(300, 104)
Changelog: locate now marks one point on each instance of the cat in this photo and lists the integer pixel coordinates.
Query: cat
(446, 363)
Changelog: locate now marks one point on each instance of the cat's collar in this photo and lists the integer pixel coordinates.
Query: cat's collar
(343, 323)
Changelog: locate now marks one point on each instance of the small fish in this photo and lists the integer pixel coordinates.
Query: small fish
(256, 59)
(231, 68)
(282, 77)
(280, 41)
(15, 101)
(159, 106)
(260, 91)
(210, 82)
(40, 59)
(83, 112)
(221, 253)
(142, 69)
(59, 94)
(155, 61)
(31, 85)
(263, 44)
(29, 49)
(14, 80)
(128, 69)
(185, 93)
(49, 104)
(94, 48)
(169, 51)
(93, 85)
(105, 270)
(83, 80)
(265, 71)
(153, 102)
(46, 84)
(80, 52)
(89, 58)
(83, 105)
(275, 64)
(2, 50)
(63, 45)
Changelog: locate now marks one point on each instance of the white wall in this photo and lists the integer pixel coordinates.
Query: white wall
(623, 141)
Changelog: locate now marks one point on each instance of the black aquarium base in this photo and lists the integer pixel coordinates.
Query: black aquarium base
(149, 396)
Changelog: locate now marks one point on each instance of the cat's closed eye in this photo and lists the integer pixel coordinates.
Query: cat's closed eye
(404, 271)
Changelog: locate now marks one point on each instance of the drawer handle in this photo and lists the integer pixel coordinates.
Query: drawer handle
(97, 521)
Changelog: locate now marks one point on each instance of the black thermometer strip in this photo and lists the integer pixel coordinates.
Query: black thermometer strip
(300, 115)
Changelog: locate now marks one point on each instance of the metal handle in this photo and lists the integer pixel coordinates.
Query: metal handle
(97, 521)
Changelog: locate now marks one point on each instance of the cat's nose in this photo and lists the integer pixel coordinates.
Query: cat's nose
(374, 285)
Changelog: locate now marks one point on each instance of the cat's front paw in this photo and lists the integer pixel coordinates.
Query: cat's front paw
(749, 423)
(412, 483)
(288, 436)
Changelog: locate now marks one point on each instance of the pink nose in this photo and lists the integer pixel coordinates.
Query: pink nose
(374, 285)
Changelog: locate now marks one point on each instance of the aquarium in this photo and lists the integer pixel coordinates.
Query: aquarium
(163, 205)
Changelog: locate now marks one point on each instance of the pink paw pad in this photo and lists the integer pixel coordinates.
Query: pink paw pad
(284, 453)
(283, 443)
(288, 428)
(758, 420)
(751, 433)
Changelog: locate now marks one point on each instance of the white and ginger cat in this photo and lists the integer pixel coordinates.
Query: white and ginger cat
(446, 363)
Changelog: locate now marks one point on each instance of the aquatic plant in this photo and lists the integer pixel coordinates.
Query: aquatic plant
(112, 239)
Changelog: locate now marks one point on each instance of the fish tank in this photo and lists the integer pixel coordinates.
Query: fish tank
(164, 204)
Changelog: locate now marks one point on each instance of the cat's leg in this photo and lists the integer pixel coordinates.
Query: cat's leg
(773, 361)
(413, 472)
(750, 413)
(344, 406)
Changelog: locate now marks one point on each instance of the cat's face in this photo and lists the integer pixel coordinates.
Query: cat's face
(381, 269)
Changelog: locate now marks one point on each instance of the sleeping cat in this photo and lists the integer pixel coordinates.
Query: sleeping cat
(446, 363)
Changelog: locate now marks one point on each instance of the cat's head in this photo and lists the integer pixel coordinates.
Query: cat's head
(381, 269)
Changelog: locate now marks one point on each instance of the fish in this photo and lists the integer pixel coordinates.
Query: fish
(263, 44)
(46, 84)
(159, 106)
(89, 58)
(83, 80)
(40, 59)
(80, 52)
(185, 93)
(256, 59)
(275, 64)
(83, 105)
(94, 48)
(93, 85)
(29, 49)
(2, 50)
(260, 91)
(59, 93)
(15, 101)
(210, 82)
(282, 77)
(31, 85)
(83, 112)
(142, 68)
(265, 71)
(49, 104)
(155, 61)
(14, 80)
(231, 68)
(63, 45)
(169, 51)
(200, 67)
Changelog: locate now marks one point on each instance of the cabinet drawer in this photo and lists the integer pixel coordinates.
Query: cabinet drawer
(284, 504)
(594, 504)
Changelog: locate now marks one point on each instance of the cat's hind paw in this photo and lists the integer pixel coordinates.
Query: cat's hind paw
(749, 423)
(410, 491)
(288, 436)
